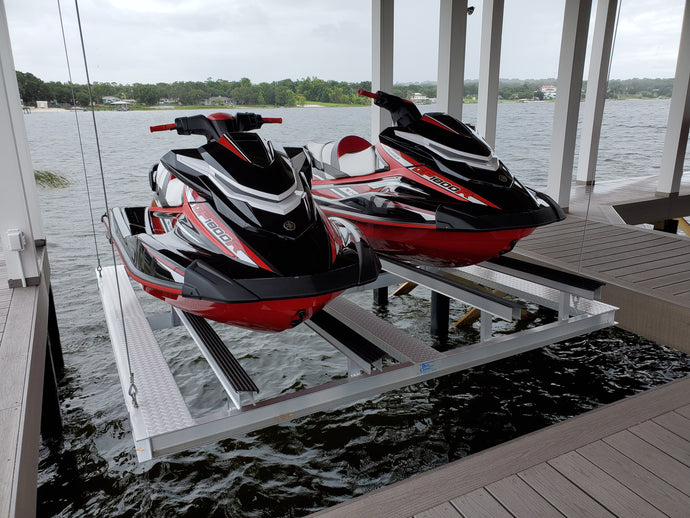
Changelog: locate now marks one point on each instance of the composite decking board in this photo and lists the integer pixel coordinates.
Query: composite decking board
(9, 431)
(652, 273)
(631, 254)
(643, 248)
(520, 499)
(448, 482)
(22, 349)
(572, 235)
(652, 458)
(558, 249)
(480, 504)
(641, 481)
(684, 411)
(601, 486)
(680, 289)
(620, 271)
(562, 493)
(676, 423)
(573, 253)
(576, 238)
(664, 439)
(444, 510)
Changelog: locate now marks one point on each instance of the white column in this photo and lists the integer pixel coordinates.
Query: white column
(489, 66)
(676, 141)
(451, 56)
(597, 82)
(570, 66)
(381, 61)
(20, 217)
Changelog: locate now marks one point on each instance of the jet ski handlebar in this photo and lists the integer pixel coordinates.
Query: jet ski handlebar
(215, 125)
(403, 112)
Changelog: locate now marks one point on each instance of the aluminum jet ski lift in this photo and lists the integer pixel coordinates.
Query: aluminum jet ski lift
(380, 356)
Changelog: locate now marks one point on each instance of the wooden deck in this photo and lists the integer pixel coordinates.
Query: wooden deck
(630, 458)
(647, 272)
(23, 336)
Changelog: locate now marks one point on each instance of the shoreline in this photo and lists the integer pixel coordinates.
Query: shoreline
(32, 109)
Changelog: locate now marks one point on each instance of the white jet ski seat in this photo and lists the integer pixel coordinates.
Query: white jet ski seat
(351, 155)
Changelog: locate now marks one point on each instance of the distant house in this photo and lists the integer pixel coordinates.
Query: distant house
(419, 98)
(549, 91)
(218, 100)
(109, 99)
(166, 100)
(42, 104)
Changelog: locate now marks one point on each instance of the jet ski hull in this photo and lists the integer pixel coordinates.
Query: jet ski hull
(264, 315)
(432, 247)
(175, 273)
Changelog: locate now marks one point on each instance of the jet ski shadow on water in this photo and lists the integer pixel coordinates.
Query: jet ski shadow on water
(431, 192)
(233, 234)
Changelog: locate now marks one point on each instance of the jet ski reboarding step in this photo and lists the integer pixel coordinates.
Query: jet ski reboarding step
(227, 369)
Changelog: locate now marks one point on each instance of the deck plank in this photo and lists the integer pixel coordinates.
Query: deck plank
(678, 262)
(632, 254)
(664, 439)
(676, 423)
(564, 247)
(444, 510)
(9, 431)
(480, 504)
(684, 411)
(601, 486)
(662, 465)
(561, 493)
(520, 499)
(660, 494)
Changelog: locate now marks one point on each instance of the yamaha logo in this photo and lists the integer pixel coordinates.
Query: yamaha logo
(289, 225)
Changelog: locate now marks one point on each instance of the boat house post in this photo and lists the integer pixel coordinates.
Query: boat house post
(676, 141)
(21, 227)
(489, 66)
(597, 82)
(382, 60)
(451, 56)
(570, 67)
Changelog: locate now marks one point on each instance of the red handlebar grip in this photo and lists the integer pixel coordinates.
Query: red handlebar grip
(365, 93)
(162, 127)
(272, 120)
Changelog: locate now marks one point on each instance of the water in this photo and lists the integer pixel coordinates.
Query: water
(320, 460)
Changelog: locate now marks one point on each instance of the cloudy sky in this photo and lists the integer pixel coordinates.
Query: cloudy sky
(150, 41)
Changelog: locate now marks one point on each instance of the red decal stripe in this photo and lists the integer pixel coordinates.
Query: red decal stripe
(226, 143)
(428, 119)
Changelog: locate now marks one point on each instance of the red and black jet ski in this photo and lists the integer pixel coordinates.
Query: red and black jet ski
(233, 234)
(432, 191)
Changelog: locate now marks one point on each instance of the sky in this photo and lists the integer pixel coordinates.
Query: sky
(150, 41)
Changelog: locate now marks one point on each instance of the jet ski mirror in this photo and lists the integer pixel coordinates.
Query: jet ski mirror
(403, 112)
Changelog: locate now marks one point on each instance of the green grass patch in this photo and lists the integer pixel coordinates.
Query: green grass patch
(50, 180)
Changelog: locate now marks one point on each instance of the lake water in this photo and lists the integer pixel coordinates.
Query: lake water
(320, 460)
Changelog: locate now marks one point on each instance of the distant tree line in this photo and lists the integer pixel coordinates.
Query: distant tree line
(279, 93)
(288, 92)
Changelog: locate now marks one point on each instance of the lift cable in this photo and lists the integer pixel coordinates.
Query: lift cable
(589, 188)
(132, 386)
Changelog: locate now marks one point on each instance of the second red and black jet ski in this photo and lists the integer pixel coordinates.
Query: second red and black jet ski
(432, 191)
(233, 234)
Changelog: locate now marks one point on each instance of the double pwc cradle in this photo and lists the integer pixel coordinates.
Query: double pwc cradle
(163, 424)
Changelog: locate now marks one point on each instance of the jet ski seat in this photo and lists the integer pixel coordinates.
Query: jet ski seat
(169, 190)
(351, 155)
